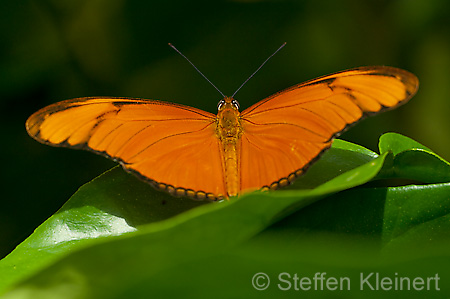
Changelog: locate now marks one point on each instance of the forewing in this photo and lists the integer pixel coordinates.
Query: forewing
(172, 146)
(284, 133)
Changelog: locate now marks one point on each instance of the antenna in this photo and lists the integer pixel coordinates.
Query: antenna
(284, 44)
(173, 47)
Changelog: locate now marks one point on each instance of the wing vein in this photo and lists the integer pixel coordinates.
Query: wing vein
(288, 124)
(167, 137)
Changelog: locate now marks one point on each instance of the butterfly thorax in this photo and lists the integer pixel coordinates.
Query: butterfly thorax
(229, 131)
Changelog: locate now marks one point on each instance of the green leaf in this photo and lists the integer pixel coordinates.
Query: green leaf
(397, 143)
(417, 217)
(117, 237)
(412, 160)
(112, 204)
(102, 208)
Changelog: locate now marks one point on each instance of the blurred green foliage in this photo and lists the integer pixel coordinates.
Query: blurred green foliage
(53, 50)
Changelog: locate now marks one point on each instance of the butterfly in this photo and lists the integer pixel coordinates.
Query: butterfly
(189, 152)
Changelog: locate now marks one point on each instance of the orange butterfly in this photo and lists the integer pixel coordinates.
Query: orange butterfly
(190, 152)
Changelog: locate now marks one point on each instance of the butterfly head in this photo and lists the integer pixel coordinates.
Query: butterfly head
(228, 103)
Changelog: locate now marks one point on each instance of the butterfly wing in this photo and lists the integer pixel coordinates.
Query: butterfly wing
(172, 146)
(284, 133)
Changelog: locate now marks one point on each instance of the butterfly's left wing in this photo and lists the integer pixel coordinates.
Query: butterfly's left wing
(174, 147)
(284, 133)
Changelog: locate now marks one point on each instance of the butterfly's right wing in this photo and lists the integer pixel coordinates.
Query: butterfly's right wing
(174, 147)
(286, 132)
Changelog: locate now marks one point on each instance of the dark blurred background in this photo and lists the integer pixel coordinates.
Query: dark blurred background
(53, 50)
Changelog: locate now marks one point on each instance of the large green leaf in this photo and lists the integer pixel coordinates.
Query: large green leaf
(117, 237)
(344, 235)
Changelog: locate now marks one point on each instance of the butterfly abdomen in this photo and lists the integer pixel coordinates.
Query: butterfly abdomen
(230, 164)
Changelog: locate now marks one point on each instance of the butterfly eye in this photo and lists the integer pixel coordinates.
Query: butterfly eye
(235, 103)
(220, 104)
